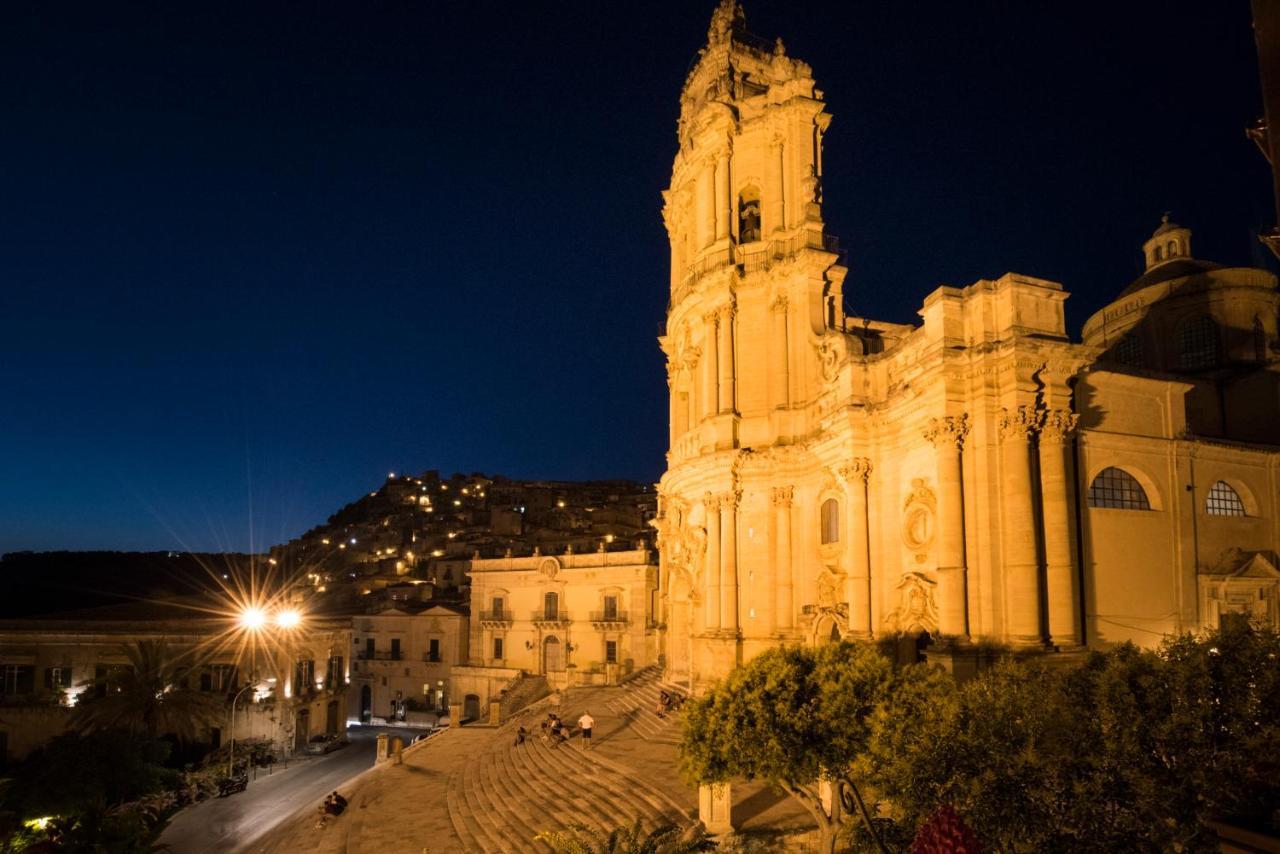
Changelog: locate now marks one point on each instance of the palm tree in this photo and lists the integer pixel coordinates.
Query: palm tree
(667, 839)
(146, 698)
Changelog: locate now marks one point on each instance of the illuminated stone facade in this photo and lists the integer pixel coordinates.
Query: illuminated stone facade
(970, 477)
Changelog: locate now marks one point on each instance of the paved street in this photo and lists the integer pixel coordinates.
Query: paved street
(226, 825)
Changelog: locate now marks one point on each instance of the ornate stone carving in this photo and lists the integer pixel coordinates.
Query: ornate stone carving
(857, 469)
(1021, 423)
(1058, 425)
(782, 495)
(727, 17)
(731, 499)
(919, 518)
(917, 604)
(779, 304)
(830, 356)
(680, 543)
(952, 429)
(549, 567)
(829, 584)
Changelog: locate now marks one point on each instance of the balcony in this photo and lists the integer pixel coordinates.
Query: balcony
(495, 619)
(380, 655)
(549, 619)
(610, 620)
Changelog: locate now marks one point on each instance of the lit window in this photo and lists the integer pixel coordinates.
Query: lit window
(1117, 489)
(830, 521)
(1223, 501)
(497, 649)
(1198, 343)
(550, 606)
(611, 652)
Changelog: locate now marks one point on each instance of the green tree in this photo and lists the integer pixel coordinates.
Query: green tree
(791, 716)
(667, 839)
(147, 698)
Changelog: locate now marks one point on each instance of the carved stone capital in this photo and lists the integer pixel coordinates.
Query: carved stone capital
(779, 304)
(948, 430)
(731, 499)
(1058, 425)
(728, 312)
(1021, 423)
(711, 502)
(856, 470)
(782, 496)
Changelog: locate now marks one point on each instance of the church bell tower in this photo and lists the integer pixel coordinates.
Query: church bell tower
(756, 289)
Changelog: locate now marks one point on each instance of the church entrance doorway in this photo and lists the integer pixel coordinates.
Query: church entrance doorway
(552, 655)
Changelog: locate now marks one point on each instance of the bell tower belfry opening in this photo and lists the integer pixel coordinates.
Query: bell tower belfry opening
(756, 292)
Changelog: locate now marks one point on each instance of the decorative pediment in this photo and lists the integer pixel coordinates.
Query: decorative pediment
(1237, 563)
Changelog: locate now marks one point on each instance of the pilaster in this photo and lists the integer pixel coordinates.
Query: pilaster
(858, 593)
(784, 604)
(948, 435)
(1021, 572)
(1057, 493)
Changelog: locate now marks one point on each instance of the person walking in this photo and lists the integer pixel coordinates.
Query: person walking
(585, 723)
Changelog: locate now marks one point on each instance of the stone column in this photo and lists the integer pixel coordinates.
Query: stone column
(947, 435)
(1021, 572)
(710, 395)
(672, 403)
(729, 562)
(857, 537)
(784, 607)
(781, 369)
(1057, 493)
(725, 359)
(777, 203)
(711, 577)
(724, 204)
(707, 206)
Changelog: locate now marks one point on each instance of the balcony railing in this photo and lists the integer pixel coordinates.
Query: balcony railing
(549, 618)
(615, 618)
(380, 655)
(496, 617)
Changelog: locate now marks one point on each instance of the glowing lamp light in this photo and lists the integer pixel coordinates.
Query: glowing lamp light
(253, 618)
(288, 619)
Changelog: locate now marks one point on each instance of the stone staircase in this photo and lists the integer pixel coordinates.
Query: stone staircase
(505, 795)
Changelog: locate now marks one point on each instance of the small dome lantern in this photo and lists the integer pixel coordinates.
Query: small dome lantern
(1169, 242)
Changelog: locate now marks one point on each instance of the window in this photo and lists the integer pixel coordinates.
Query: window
(749, 216)
(1198, 343)
(395, 649)
(370, 647)
(433, 649)
(1128, 351)
(551, 606)
(497, 649)
(337, 671)
(304, 676)
(1159, 254)
(611, 652)
(16, 679)
(830, 521)
(223, 677)
(57, 678)
(1118, 489)
(611, 607)
(1223, 501)
(497, 607)
(1172, 250)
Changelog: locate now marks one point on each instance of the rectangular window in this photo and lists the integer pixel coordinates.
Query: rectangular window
(433, 650)
(610, 652)
(337, 671)
(611, 607)
(304, 676)
(17, 679)
(497, 607)
(370, 647)
(395, 649)
(57, 678)
(497, 649)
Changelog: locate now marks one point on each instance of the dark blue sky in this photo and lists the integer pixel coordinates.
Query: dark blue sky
(255, 256)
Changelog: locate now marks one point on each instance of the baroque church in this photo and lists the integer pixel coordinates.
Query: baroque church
(978, 477)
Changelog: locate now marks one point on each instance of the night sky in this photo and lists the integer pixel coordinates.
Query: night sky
(254, 257)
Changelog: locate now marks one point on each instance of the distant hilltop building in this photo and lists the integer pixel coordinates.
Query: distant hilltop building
(979, 477)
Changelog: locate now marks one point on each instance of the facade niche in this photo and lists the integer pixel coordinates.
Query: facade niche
(749, 215)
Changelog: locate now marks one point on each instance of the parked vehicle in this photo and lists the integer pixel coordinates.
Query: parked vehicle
(325, 743)
(231, 785)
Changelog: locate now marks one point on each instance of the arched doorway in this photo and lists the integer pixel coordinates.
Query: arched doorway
(366, 703)
(471, 707)
(552, 655)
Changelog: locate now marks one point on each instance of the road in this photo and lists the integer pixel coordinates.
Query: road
(226, 825)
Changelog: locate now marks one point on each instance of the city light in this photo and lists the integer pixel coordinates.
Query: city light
(253, 618)
(288, 618)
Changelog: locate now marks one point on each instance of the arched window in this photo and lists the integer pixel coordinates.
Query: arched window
(1198, 343)
(1223, 501)
(830, 521)
(1172, 250)
(749, 215)
(1118, 489)
(1259, 340)
(1128, 351)
(1159, 254)
(551, 606)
